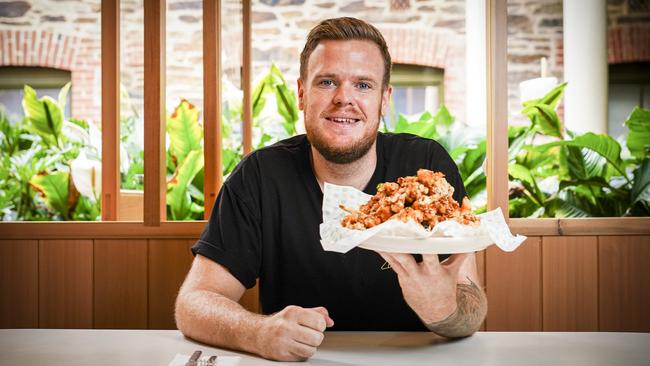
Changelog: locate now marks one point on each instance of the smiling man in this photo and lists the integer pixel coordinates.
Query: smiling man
(265, 224)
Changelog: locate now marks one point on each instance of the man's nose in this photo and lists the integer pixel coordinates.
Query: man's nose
(343, 95)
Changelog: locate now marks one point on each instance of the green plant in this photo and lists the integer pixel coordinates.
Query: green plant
(45, 165)
(569, 175)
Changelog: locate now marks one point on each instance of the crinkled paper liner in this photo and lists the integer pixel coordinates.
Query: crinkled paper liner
(336, 238)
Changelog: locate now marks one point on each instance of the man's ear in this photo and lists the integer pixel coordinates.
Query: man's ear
(301, 95)
(385, 98)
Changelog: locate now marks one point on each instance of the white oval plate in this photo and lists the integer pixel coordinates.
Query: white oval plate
(431, 245)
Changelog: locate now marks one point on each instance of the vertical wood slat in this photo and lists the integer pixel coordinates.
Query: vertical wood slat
(18, 284)
(110, 109)
(480, 266)
(65, 283)
(570, 283)
(513, 283)
(154, 112)
(169, 263)
(120, 286)
(211, 103)
(624, 283)
(497, 107)
(246, 77)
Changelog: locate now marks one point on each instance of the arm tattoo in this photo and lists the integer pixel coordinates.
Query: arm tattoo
(470, 311)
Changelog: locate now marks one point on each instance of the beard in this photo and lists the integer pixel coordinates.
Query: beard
(342, 155)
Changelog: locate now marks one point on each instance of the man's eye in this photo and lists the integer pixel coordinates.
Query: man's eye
(326, 82)
(363, 85)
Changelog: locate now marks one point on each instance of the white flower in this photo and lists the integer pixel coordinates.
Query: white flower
(87, 176)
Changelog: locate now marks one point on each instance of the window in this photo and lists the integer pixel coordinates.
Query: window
(629, 87)
(416, 89)
(46, 81)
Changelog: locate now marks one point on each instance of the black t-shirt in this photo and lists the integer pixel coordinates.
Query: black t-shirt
(265, 224)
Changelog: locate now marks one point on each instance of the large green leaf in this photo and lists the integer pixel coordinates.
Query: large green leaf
(638, 140)
(604, 145)
(472, 161)
(184, 130)
(63, 95)
(641, 187)
(178, 197)
(525, 176)
(571, 206)
(258, 98)
(544, 117)
(44, 115)
(426, 129)
(581, 163)
(54, 189)
(230, 158)
(551, 99)
(287, 108)
(443, 118)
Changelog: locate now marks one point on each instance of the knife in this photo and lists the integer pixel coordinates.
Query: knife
(192, 361)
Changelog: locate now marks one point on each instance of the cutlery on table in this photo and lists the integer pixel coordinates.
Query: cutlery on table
(192, 361)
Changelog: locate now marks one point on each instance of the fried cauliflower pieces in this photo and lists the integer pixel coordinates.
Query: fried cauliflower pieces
(426, 198)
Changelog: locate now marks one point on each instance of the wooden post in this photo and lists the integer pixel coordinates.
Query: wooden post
(246, 77)
(154, 112)
(110, 109)
(497, 93)
(211, 103)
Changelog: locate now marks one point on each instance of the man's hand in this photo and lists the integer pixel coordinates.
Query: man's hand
(429, 287)
(293, 334)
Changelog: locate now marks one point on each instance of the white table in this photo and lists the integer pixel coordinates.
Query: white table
(158, 347)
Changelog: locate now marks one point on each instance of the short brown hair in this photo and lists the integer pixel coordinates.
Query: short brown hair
(341, 29)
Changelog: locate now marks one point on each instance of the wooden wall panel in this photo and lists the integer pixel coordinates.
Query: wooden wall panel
(169, 262)
(65, 271)
(624, 286)
(513, 282)
(120, 284)
(570, 283)
(18, 284)
(251, 299)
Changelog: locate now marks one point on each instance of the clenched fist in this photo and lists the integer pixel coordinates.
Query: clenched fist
(293, 334)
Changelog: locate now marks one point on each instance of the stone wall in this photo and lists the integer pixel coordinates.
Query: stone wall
(66, 34)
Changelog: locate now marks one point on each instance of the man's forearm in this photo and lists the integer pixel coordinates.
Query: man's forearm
(470, 312)
(217, 320)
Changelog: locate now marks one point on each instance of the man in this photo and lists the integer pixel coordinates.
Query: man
(265, 222)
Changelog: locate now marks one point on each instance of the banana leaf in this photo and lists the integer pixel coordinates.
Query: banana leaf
(525, 176)
(603, 145)
(44, 115)
(472, 161)
(641, 187)
(424, 127)
(178, 196)
(638, 140)
(551, 99)
(545, 119)
(184, 131)
(55, 189)
(63, 95)
(287, 108)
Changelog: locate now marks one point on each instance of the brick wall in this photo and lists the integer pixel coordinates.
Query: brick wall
(63, 35)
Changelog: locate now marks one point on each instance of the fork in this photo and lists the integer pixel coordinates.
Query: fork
(212, 361)
(193, 359)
